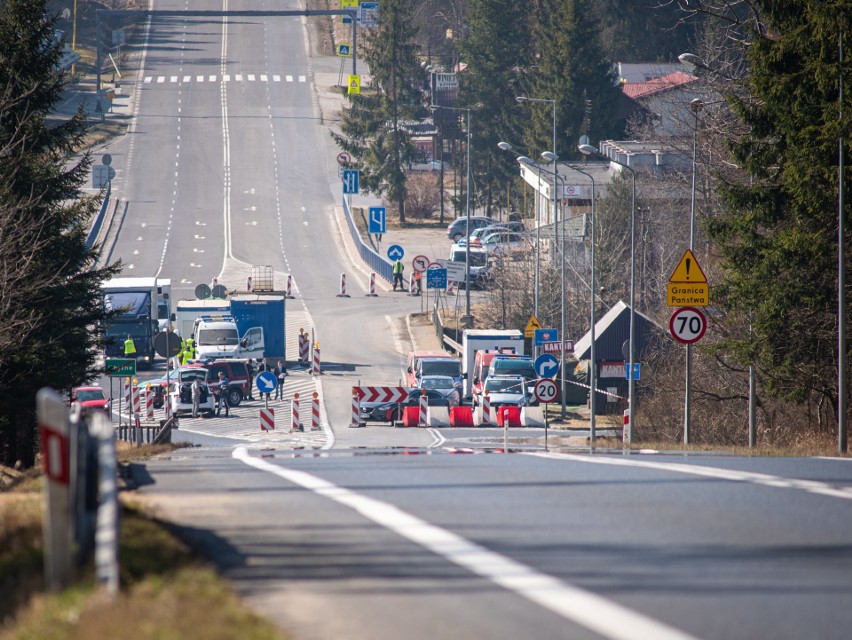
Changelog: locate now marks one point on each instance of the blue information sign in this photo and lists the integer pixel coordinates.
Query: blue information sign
(636, 367)
(436, 278)
(546, 335)
(266, 382)
(378, 220)
(546, 365)
(395, 252)
(350, 181)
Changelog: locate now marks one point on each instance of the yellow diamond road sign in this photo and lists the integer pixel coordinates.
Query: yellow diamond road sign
(532, 325)
(688, 285)
(354, 84)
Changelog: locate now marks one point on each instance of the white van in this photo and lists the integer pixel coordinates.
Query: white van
(218, 337)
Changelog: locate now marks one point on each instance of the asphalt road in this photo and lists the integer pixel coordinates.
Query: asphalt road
(387, 533)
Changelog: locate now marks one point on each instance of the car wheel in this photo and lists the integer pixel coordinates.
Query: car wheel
(457, 237)
(235, 397)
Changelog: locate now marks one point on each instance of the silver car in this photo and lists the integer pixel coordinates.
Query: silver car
(445, 385)
(506, 391)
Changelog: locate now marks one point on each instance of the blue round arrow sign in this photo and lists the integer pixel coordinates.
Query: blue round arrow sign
(546, 365)
(266, 382)
(395, 252)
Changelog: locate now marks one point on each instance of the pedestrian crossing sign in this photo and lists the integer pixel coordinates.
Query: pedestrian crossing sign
(354, 85)
(344, 50)
(532, 325)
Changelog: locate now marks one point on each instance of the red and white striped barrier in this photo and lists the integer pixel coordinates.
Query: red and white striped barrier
(412, 287)
(128, 407)
(380, 394)
(372, 293)
(342, 293)
(149, 402)
(167, 404)
(289, 292)
(316, 370)
(356, 411)
(424, 409)
(295, 424)
(486, 409)
(267, 419)
(315, 415)
(304, 346)
(137, 403)
(248, 283)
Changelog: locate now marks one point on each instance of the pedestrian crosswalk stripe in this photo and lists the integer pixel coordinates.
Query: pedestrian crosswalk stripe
(199, 78)
(148, 79)
(161, 79)
(289, 78)
(251, 77)
(173, 79)
(276, 78)
(187, 78)
(238, 77)
(263, 78)
(212, 78)
(301, 78)
(226, 78)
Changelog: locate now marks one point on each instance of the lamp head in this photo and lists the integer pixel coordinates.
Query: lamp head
(520, 98)
(549, 156)
(586, 149)
(505, 146)
(691, 60)
(525, 160)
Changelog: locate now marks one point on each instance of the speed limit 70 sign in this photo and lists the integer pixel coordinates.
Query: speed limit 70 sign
(688, 325)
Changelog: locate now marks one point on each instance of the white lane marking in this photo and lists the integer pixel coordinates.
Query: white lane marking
(161, 79)
(289, 78)
(607, 618)
(199, 78)
(438, 438)
(226, 78)
(148, 79)
(251, 77)
(302, 78)
(238, 77)
(276, 78)
(173, 79)
(397, 342)
(263, 77)
(189, 79)
(763, 479)
(212, 78)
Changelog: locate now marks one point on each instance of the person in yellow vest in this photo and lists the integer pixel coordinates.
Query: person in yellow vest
(398, 269)
(190, 347)
(129, 347)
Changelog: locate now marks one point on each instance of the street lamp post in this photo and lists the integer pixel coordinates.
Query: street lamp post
(466, 320)
(532, 165)
(696, 106)
(592, 372)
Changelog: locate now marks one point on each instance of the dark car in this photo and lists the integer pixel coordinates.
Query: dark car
(235, 370)
(392, 411)
(459, 227)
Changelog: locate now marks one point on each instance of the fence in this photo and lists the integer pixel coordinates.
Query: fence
(99, 219)
(377, 263)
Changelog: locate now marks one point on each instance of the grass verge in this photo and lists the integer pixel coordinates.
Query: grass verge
(166, 590)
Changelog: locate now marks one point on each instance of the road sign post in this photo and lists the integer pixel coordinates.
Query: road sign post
(688, 325)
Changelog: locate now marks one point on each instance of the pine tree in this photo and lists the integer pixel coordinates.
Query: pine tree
(570, 67)
(494, 49)
(372, 128)
(778, 233)
(50, 293)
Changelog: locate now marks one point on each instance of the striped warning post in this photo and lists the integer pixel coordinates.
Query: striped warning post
(167, 404)
(289, 292)
(317, 369)
(315, 416)
(342, 293)
(295, 424)
(304, 346)
(372, 293)
(626, 435)
(248, 283)
(356, 411)
(412, 287)
(149, 402)
(486, 409)
(267, 419)
(424, 408)
(137, 404)
(128, 406)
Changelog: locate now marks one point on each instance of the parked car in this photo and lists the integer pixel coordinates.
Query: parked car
(480, 272)
(93, 398)
(477, 235)
(181, 394)
(445, 385)
(502, 243)
(506, 391)
(459, 227)
(236, 372)
(445, 366)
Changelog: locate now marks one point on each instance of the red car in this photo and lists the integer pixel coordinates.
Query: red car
(91, 398)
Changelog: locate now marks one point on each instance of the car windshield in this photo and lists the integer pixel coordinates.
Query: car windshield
(437, 383)
(514, 366)
(442, 367)
(85, 395)
(188, 375)
(215, 337)
(496, 385)
(477, 259)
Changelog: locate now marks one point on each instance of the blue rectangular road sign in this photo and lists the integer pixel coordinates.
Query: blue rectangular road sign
(545, 335)
(350, 181)
(378, 220)
(636, 367)
(436, 278)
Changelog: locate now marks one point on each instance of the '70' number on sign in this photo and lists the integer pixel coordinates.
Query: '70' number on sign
(688, 325)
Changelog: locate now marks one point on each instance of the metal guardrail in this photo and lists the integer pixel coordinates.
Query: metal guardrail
(377, 263)
(99, 220)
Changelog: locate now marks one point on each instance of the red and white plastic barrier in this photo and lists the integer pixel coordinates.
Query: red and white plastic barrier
(267, 419)
(149, 402)
(137, 404)
(304, 346)
(372, 284)
(317, 369)
(342, 293)
(424, 409)
(295, 424)
(486, 409)
(315, 412)
(128, 407)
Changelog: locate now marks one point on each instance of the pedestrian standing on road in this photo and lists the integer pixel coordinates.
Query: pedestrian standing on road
(250, 371)
(224, 383)
(280, 372)
(398, 269)
(196, 397)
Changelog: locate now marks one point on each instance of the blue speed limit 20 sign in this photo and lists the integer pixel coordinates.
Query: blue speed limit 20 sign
(688, 325)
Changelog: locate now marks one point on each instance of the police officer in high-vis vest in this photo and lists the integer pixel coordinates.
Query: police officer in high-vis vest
(129, 347)
(190, 347)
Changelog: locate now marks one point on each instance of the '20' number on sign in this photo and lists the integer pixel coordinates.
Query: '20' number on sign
(688, 325)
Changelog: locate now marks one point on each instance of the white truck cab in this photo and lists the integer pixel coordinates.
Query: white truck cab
(218, 337)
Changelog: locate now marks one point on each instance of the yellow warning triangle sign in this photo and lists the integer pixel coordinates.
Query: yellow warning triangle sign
(688, 271)
(532, 325)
